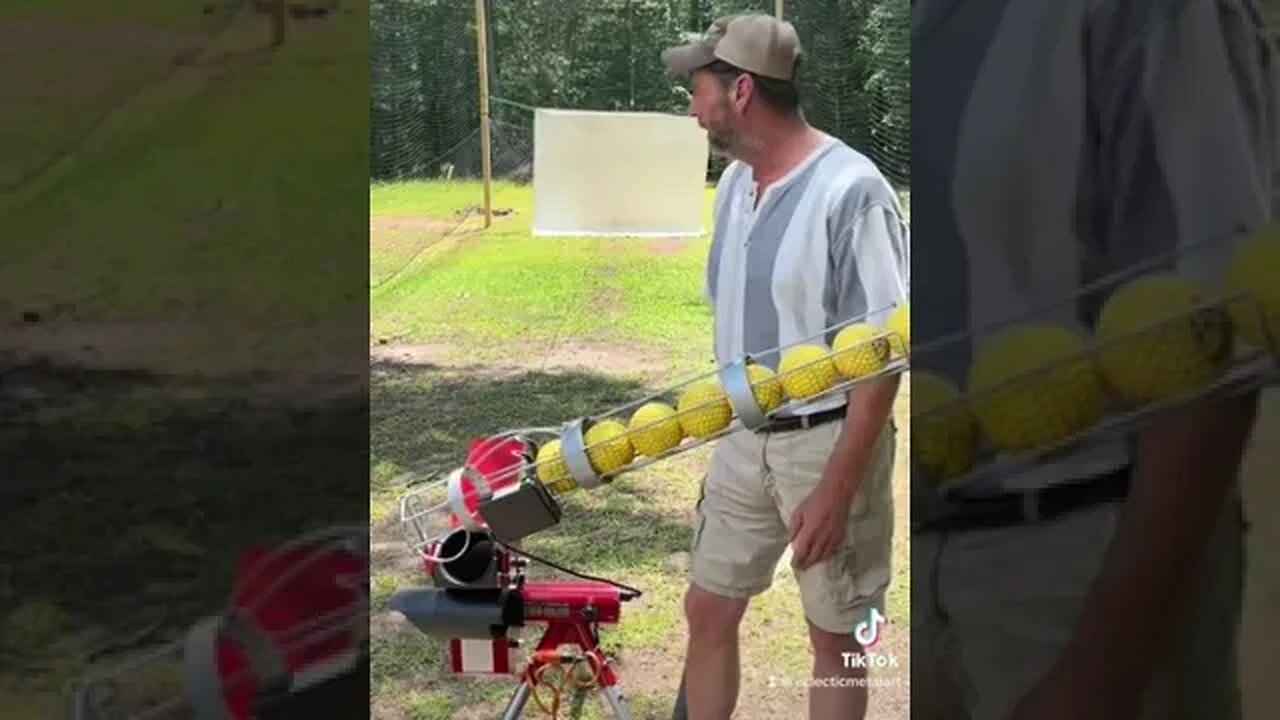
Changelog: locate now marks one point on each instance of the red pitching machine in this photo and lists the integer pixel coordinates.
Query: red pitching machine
(481, 591)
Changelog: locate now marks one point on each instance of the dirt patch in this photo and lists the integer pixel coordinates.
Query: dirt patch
(428, 225)
(172, 348)
(388, 557)
(106, 346)
(608, 302)
(40, 35)
(400, 244)
(82, 67)
(411, 354)
(564, 355)
(667, 247)
(617, 359)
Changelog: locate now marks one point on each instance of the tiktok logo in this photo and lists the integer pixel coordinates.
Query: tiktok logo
(868, 632)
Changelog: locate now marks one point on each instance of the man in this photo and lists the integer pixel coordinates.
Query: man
(1056, 142)
(808, 234)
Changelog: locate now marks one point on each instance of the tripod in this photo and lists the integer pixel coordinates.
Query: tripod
(585, 603)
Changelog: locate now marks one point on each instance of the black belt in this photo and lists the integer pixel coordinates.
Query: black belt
(1032, 505)
(804, 422)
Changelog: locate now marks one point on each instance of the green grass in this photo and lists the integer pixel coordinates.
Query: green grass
(161, 246)
(498, 296)
(605, 289)
(439, 199)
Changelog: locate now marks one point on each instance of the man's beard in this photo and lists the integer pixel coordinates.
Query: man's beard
(724, 142)
(731, 142)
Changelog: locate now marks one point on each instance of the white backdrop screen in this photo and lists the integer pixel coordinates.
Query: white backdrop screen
(618, 174)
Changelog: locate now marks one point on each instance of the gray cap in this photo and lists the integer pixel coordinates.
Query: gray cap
(757, 43)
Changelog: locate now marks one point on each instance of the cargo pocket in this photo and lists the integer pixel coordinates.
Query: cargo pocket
(700, 520)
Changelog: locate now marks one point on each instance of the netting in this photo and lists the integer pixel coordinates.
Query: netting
(423, 88)
(606, 55)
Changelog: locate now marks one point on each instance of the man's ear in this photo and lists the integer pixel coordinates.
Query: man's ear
(743, 88)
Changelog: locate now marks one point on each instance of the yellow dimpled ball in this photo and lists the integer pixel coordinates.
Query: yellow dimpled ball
(608, 447)
(806, 371)
(1252, 288)
(654, 429)
(704, 410)
(1032, 385)
(765, 387)
(1158, 340)
(860, 349)
(899, 327)
(552, 470)
(943, 431)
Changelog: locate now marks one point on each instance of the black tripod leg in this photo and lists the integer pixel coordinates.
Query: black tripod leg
(681, 711)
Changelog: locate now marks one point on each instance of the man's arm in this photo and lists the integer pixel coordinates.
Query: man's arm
(870, 405)
(870, 266)
(1184, 470)
(1185, 154)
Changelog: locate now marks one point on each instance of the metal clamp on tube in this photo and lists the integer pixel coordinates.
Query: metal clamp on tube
(458, 496)
(574, 449)
(737, 385)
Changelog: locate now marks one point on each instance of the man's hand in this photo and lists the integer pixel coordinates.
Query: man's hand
(819, 523)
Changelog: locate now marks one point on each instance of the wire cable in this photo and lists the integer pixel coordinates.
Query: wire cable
(629, 592)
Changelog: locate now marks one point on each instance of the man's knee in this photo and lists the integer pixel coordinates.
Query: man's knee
(712, 616)
(833, 646)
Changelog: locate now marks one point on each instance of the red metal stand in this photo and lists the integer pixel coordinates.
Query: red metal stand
(572, 610)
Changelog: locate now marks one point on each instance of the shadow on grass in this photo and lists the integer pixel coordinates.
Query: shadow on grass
(424, 415)
(129, 496)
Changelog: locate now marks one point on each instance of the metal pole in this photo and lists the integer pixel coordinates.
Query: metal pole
(777, 8)
(277, 23)
(482, 54)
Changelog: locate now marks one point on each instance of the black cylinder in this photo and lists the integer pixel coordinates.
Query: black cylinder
(476, 614)
(476, 564)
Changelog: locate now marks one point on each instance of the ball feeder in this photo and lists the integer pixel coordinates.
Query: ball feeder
(943, 430)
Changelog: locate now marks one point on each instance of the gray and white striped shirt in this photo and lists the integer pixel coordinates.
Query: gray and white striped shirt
(825, 244)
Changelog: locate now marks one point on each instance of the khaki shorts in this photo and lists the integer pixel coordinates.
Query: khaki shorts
(1260, 481)
(754, 484)
(980, 640)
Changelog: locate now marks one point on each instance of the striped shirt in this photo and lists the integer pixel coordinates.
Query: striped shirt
(1056, 142)
(825, 244)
